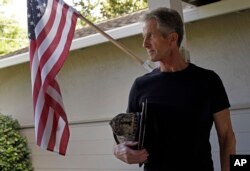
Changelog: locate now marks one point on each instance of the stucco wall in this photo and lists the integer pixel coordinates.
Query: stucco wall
(222, 44)
(96, 80)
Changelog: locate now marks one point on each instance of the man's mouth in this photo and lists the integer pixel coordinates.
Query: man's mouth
(151, 52)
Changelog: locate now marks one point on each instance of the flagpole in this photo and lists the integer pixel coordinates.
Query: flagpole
(118, 44)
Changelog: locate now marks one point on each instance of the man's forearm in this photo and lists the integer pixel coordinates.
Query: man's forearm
(227, 147)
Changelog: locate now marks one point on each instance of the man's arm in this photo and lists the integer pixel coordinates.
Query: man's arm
(226, 137)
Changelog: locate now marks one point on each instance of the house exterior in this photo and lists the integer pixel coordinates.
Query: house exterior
(97, 76)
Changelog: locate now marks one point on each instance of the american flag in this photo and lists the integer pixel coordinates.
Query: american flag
(51, 26)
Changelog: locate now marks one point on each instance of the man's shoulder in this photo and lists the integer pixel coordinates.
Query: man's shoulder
(149, 75)
(209, 76)
(202, 71)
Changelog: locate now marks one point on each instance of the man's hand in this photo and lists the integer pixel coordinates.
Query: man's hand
(125, 153)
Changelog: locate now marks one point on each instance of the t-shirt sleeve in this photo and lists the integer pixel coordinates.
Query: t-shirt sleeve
(219, 96)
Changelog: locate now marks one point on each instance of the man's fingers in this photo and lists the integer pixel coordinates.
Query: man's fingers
(125, 153)
(130, 143)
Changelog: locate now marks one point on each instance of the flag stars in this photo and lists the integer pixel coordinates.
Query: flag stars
(32, 23)
(36, 9)
(41, 8)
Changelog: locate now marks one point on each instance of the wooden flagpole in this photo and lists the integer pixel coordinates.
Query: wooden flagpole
(118, 44)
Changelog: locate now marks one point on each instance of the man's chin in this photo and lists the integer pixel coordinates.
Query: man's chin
(152, 59)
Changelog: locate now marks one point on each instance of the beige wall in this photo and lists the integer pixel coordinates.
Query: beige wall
(95, 82)
(222, 44)
(15, 93)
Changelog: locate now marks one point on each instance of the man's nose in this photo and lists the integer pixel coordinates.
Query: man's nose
(146, 43)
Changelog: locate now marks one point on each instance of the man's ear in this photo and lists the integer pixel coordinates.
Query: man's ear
(174, 38)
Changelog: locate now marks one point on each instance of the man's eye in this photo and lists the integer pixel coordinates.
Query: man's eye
(149, 36)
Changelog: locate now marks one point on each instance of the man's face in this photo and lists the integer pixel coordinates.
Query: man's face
(154, 42)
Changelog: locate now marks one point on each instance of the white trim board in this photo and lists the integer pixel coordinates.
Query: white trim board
(215, 9)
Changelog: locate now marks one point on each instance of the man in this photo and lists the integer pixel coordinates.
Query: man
(183, 101)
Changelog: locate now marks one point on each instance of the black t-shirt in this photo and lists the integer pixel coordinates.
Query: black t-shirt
(180, 108)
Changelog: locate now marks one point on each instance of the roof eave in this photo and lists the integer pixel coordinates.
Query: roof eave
(198, 13)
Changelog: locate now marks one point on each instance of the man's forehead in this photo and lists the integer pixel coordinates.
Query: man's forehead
(148, 25)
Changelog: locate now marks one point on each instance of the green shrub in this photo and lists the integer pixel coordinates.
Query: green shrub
(14, 152)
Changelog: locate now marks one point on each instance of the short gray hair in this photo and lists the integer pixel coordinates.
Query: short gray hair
(166, 19)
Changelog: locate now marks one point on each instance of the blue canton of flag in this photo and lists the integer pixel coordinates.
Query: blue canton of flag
(36, 9)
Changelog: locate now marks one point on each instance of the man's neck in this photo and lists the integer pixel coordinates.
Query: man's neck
(173, 64)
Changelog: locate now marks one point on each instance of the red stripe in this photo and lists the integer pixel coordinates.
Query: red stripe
(32, 50)
(42, 123)
(55, 85)
(64, 140)
(36, 87)
(52, 140)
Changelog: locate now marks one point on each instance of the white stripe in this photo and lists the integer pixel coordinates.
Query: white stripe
(55, 95)
(38, 110)
(51, 35)
(40, 97)
(57, 53)
(59, 132)
(42, 22)
(48, 129)
(39, 103)
(34, 69)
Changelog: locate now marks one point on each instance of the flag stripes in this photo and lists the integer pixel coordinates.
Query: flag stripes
(51, 30)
